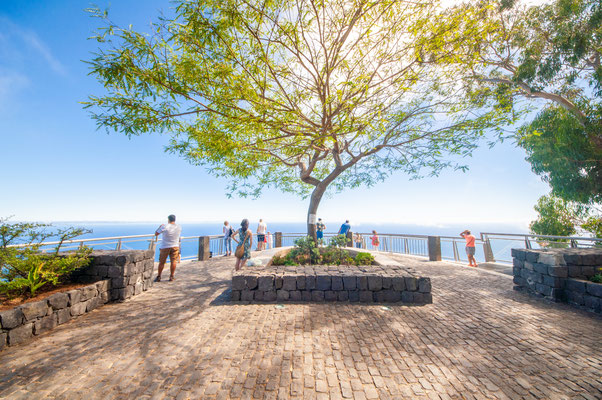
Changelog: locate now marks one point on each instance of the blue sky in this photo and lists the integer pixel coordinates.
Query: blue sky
(57, 167)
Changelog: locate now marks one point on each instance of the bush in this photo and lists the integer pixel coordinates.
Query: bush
(24, 270)
(596, 278)
(364, 259)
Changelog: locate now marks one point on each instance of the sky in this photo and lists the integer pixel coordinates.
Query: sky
(56, 166)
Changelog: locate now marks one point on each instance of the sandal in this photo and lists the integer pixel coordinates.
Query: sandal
(158, 279)
(172, 278)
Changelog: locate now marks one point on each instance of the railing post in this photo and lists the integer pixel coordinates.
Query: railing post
(118, 247)
(456, 252)
(277, 239)
(406, 246)
(527, 243)
(488, 251)
(434, 247)
(203, 248)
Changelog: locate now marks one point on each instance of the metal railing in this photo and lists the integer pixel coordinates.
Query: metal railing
(502, 243)
(493, 247)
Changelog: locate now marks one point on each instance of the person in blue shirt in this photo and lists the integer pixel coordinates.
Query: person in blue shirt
(345, 228)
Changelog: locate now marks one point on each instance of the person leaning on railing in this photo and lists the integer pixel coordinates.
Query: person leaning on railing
(470, 247)
(170, 246)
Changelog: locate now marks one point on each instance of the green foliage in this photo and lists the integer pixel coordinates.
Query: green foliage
(593, 225)
(559, 149)
(596, 278)
(300, 96)
(364, 259)
(25, 269)
(555, 218)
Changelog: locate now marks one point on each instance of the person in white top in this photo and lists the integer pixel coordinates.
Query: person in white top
(228, 232)
(170, 246)
(261, 231)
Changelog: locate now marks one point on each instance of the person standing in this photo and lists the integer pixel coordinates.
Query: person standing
(268, 239)
(245, 241)
(320, 227)
(375, 241)
(344, 228)
(170, 246)
(358, 240)
(470, 247)
(228, 231)
(262, 228)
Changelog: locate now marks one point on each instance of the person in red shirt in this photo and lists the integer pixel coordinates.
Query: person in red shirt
(470, 247)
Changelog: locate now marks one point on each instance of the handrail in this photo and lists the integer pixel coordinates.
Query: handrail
(83, 240)
(593, 239)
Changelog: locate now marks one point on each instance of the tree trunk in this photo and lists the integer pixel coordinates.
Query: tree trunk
(314, 202)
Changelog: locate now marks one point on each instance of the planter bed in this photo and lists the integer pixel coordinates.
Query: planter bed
(366, 284)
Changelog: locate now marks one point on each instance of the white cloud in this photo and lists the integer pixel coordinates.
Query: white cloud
(10, 83)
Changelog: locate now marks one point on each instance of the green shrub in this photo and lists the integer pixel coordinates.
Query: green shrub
(24, 270)
(596, 278)
(364, 259)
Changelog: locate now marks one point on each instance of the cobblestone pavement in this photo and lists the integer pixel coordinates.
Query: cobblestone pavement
(182, 339)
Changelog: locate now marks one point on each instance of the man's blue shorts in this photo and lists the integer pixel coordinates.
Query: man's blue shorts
(320, 234)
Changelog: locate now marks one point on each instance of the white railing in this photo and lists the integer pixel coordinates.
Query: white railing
(494, 247)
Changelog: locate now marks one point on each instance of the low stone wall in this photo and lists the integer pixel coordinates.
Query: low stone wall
(117, 276)
(29, 319)
(560, 275)
(130, 271)
(382, 284)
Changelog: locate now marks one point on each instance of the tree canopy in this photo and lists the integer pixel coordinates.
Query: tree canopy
(300, 95)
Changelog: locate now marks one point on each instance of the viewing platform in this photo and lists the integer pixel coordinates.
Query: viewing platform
(186, 339)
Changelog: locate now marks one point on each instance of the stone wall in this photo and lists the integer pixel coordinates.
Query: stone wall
(383, 284)
(29, 319)
(130, 271)
(117, 276)
(560, 275)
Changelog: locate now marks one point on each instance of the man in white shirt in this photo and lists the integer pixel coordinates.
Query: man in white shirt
(170, 246)
(261, 231)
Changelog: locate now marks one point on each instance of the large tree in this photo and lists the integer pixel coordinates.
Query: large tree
(547, 58)
(301, 95)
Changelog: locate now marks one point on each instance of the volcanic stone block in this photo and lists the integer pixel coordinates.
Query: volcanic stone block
(114, 271)
(541, 268)
(424, 285)
(289, 282)
(317, 295)
(354, 296)
(519, 280)
(532, 257)
(551, 259)
(375, 283)
(323, 282)
(575, 298)
(362, 282)
(258, 295)
(418, 297)
(11, 318)
(121, 260)
(138, 288)
(575, 271)
(103, 285)
(519, 253)
(238, 282)
(380, 296)
(392, 296)
(34, 310)
(282, 295)
(3, 339)
(591, 302)
(306, 295)
(366, 296)
(301, 280)
(265, 283)
(330, 295)
(310, 282)
(58, 300)
(45, 324)
(343, 295)
(246, 295)
(518, 263)
(120, 282)
(591, 259)
(251, 282)
(398, 283)
(269, 295)
(349, 282)
(411, 284)
(78, 309)
(129, 292)
(235, 295)
(337, 283)
(543, 289)
(387, 282)
(574, 285)
(552, 281)
(20, 334)
(407, 297)
(594, 289)
(572, 259)
(278, 281)
(294, 295)
(559, 271)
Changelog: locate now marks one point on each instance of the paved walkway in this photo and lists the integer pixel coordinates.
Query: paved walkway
(184, 340)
